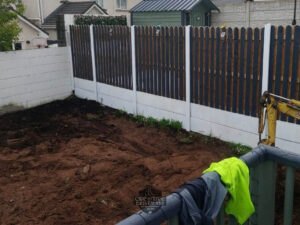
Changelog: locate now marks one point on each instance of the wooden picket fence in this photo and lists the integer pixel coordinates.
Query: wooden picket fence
(284, 78)
(81, 52)
(113, 55)
(160, 54)
(226, 64)
(226, 68)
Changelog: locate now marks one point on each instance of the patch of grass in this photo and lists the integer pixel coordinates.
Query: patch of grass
(150, 121)
(120, 113)
(239, 149)
(186, 140)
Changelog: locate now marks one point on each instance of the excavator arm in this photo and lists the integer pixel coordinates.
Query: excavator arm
(270, 105)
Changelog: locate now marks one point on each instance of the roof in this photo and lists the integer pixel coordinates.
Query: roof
(170, 5)
(32, 25)
(70, 8)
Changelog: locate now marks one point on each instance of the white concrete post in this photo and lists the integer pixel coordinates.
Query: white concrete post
(266, 63)
(69, 20)
(247, 14)
(188, 76)
(93, 61)
(133, 57)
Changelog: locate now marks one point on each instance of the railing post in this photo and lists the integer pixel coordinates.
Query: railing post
(188, 76)
(266, 63)
(93, 60)
(263, 187)
(133, 58)
(289, 196)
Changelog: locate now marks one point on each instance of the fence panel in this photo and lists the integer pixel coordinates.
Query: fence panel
(284, 78)
(113, 55)
(226, 68)
(160, 54)
(81, 52)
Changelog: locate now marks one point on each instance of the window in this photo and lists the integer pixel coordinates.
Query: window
(121, 4)
(208, 19)
(187, 19)
(100, 2)
(18, 46)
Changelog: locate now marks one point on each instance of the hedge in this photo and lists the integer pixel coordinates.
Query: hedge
(100, 20)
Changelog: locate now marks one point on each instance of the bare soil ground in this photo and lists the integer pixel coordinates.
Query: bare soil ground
(75, 162)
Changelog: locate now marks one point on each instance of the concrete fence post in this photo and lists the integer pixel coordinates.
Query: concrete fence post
(133, 58)
(93, 60)
(69, 20)
(188, 76)
(266, 63)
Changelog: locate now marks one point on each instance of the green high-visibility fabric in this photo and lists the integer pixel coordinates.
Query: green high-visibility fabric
(234, 174)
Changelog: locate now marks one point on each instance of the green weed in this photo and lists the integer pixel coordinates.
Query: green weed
(239, 149)
(150, 121)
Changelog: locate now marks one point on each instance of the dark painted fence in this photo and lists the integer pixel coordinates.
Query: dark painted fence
(160, 54)
(81, 52)
(226, 68)
(284, 78)
(113, 55)
(226, 64)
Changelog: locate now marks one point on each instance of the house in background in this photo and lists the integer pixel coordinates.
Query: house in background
(31, 36)
(75, 8)
(43, 12)
(119, 7)
(173, 12)
(254, 13)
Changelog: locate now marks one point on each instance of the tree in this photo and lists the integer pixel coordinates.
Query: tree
(9, 28)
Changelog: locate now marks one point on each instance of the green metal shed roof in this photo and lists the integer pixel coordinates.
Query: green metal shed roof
(171, 5)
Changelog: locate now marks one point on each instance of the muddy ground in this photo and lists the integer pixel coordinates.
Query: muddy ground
(75, 162)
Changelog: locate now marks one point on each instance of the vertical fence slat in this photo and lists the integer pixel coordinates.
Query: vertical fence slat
(223, 70)
(147, 56)
(167, 63)
(229, 70)
(172, 61)
(163, 55)
(181, 62)
(192, 73)
(212, 68)
(242, 70)
(201, 65)
(195, 68)
(248, 71)
(206, 66)
(155, 54)
(217, 87)
(139, 57)
(255, 71)
(260, 80)
(159, 72)
(176, 63)
(151, 60)
(235, 69)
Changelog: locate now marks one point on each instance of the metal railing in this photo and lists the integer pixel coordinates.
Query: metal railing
(262, 162)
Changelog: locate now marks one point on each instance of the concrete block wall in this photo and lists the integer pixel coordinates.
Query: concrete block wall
(239, 13)
(32, 77)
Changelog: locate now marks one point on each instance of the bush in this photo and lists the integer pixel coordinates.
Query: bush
(100, 20)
